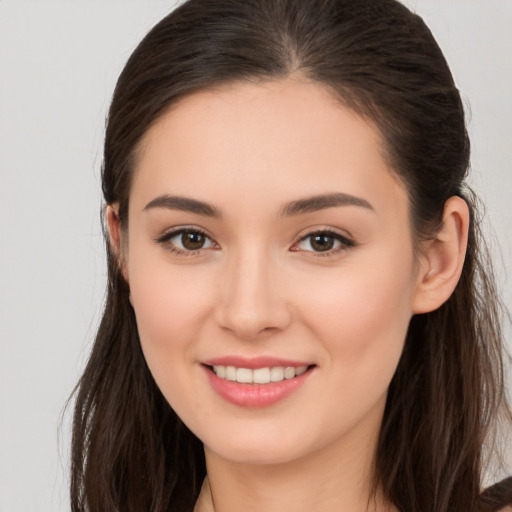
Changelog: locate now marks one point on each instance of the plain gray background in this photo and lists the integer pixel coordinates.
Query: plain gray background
(58, 64)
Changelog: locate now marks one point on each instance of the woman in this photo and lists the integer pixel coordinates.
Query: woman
(300, 314)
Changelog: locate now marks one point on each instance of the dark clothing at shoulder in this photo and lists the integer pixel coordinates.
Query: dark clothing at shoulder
(499, 495)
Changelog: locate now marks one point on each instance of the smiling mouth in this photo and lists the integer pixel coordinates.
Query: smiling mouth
(265, 375)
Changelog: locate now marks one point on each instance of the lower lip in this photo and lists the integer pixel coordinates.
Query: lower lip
(255, 395)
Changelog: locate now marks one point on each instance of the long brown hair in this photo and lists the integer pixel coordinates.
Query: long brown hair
(130, 450)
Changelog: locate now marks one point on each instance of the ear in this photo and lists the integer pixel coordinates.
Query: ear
(115, 237)
(442, 258)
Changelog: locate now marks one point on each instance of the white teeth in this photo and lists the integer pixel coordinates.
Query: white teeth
(230, 373)
(259, 375)
(244, 375)
(300, 370)
(276, 373)
(220, 371)
(289, 372)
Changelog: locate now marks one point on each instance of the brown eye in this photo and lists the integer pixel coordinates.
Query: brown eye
(322, 242)
(186, 241)
(193, 240)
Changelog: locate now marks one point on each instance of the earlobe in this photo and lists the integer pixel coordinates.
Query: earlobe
(115, 237)
(443, 258)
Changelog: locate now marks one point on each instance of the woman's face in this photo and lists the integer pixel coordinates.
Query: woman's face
(268, 238)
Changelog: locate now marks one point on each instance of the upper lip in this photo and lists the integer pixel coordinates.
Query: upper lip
(253, 363)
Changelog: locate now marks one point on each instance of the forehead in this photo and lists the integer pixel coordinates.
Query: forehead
(274, 140)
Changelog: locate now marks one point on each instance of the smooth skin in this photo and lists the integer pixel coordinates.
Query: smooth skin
(250, 280)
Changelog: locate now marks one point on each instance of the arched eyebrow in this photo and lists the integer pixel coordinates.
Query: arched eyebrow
(185, 204)
(321, 202)
(298, 207)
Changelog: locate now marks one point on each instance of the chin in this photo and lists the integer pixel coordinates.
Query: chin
(264, 446)
(253, 453)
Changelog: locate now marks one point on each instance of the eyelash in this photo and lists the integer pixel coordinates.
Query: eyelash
(344, 242)
(166, 238)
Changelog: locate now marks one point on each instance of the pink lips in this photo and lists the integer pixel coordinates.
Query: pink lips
(254, 395)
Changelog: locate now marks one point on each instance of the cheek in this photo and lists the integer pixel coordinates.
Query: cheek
(361, 319)
(362, 315)
(170, 303)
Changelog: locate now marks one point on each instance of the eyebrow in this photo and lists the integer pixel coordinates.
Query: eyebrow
(298, 207)
(321, 202)
(185, 204)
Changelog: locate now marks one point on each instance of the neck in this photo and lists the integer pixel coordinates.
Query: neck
(337, 477)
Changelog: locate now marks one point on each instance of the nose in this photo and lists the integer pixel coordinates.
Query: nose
(251, 302)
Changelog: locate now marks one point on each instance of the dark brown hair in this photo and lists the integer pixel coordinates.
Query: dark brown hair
(130, 451)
